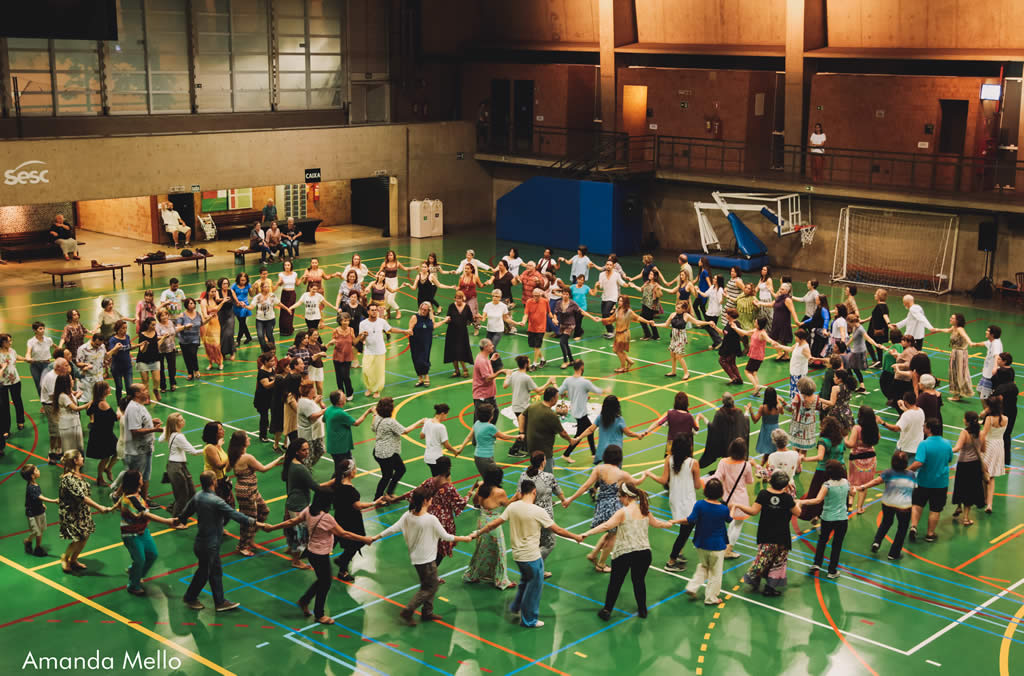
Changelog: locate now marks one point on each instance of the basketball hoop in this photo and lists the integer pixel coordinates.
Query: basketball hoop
(807, 235)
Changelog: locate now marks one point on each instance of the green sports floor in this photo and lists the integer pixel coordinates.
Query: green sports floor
(954, 606)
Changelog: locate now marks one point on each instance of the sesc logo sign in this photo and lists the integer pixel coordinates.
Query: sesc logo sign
(21, 176)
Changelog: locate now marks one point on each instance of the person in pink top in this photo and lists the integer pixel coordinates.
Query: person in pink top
(322, 530)
(484, 375)
(755, 355)
(736, 474)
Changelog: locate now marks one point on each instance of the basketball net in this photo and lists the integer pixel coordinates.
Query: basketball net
(807, 235)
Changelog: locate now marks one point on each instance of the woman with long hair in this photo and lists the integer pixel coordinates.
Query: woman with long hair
(680, 474)
(167, 341)
(970, 484)
(68, 414)
(606, 476)
(191, 322)
(611, 428)
(74, 503)
(631, 552)
(730, 347)
(757, 340)
(211, 330)
(287, 280)
(547, 488)
(422, 531)
(468, 283)
(959, 371)
(503, 280)
(278, 396)
(179, 448)
(323, 531)
(226, 315)
(679, 340)
(456, 337)
(768, 413)
(102, 444)
(621, 319)
(349, 285)
(830, 447)
(242, 288)
(715, 296)
(264, 302)
(73, 335)
(861, 441)
(390, 268)
(735, 473)
(247, 490)
(135, 518)
(839, 403)
(992, 441)
(148, 359)
(298, 483)
(10, 385)
(446, 505)
(679, 420)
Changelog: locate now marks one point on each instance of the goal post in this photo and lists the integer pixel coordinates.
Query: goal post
(896, 248)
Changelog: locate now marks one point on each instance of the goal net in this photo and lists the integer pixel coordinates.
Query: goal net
(898, 249)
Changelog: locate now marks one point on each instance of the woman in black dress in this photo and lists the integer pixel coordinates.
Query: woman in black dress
(426, 286)
(421, 339)
(456, 339)
(277, 399)
(348, 512)
(226, 316)
(102, 444)
(878, 326)
(783, 318)
(503, 280)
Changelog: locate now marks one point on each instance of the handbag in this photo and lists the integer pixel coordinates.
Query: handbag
(735, 485)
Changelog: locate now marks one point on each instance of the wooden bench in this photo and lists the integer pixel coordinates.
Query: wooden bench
(22, 246)
(171, 259)
(67, 272)
(236, 223)
(241, 252)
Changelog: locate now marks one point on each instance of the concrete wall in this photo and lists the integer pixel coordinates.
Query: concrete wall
(422, 157)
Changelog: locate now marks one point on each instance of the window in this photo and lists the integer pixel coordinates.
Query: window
(128, 82)
(30, 64)
(310, 51)
(167, 55)
(233, 62)
(77, 74)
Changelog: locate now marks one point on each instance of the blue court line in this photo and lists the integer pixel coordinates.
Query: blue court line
(204, 381)
(394, 650)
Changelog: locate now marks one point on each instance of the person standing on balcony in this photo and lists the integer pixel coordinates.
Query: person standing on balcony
(817, 153)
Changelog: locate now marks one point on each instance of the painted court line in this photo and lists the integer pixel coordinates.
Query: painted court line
(1009, 532)
(966, 616)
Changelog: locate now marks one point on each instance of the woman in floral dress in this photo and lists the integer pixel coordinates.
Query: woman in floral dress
(73, 336)
(488, 562)
(74, 503)
(547, 488)
(803, 426)
(839, 404)
(446, 503)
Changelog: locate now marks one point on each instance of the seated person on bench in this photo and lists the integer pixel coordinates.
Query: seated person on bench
(258, 241)
(63, 236)
(274, 236)
(290, 238)
(173, 223)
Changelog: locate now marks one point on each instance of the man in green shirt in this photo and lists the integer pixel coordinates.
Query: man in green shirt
(540, 424)
(339, 428)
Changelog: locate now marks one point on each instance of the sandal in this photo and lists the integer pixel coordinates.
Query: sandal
(620, 370)
(301, 565)
(967, 522)
(602, 569)
(326, 620)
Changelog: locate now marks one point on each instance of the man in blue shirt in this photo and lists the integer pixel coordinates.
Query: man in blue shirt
(931, 463)
(212, 513)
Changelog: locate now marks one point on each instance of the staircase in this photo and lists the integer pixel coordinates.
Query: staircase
(610, 156)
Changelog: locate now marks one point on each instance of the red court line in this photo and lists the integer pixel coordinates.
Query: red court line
(828, 616)
(35, 442)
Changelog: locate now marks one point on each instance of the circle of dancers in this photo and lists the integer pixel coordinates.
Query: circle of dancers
(826, 435)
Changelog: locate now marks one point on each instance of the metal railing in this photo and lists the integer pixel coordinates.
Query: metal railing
(595, 152)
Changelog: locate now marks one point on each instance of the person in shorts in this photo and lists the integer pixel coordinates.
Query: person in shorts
(931, 463)
(35, 510)
(535, 316)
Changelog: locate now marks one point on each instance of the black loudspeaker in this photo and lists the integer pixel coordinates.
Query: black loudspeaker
(987, 236)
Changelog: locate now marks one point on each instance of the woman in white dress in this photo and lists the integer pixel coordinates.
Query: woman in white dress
(681, 476)
(992, 441)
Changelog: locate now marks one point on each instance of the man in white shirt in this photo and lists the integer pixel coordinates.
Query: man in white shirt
(371, 333)
(609, 282)
(526, 520)
(470, 258)
(173, 223)
(140, 426)
(915, 324)
(61, 367)
(578, 390)
(172, 299)
(910, 424)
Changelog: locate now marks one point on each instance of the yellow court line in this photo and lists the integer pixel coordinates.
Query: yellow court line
(1004, 647)
(105, 548)
(117, 616)
(1009, 532)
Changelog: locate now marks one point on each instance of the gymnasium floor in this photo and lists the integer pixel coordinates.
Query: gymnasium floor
(949, 607)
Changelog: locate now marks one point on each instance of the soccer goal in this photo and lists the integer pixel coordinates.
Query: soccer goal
(896, 248)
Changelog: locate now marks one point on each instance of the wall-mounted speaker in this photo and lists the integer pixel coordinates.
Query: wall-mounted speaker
(987, 236)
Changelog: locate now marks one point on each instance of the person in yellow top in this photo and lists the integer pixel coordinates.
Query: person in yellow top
(215, 459)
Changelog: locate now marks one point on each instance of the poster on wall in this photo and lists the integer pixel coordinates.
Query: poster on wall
(224, 200)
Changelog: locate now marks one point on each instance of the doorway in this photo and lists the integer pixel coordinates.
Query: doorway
(634, 109)
(952, 126)
(522, 116)
(501, 103)
(185, 204)
(371, 203)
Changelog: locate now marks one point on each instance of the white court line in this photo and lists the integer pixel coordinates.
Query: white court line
(936, 664)
(965, 616)
(291, 637)
(265, 643)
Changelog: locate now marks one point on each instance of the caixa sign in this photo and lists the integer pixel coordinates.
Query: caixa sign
(27, 173)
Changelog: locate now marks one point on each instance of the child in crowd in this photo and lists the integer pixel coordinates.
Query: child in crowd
(834, 517)
(776, 506)
(709, 517)
(35, 510)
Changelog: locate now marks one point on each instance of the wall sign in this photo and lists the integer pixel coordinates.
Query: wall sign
(313, 175)
(27, 173)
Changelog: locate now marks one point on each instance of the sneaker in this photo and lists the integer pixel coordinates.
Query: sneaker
(675, 566)
(227, 605)
(604, 614)
(543, 363)
(406, 618)
(430, 617)
(912, 534)
(28, 546)
(141, 591)
(194, 605)
(931, 538)
(875, 546)
(833, 576)
(815, 567)
(894, 558)
(346, 577)
(713, 602)
(39, 551)
(768, 591)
